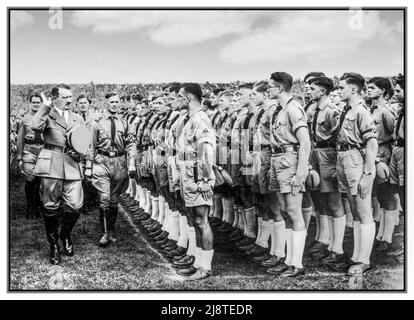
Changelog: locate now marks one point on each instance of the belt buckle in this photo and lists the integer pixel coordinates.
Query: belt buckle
(112, 154)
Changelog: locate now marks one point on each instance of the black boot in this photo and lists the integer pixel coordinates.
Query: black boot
(52, 234)
(112, 220)
(103, 219)
(69, 220)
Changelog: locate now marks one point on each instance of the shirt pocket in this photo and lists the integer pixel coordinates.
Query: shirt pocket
(43, 163)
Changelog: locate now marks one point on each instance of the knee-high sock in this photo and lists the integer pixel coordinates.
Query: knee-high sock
(367, 240)
(197, 255)
(389, 225)
(338, 234)
(397, 217)
(174, 223)
(259, 227)
(278, 238)
(133, 188)
(331, 232)
(128, 191)
(242, 219)
(138, 192)
(191, 241)
(161, 209)
(298, 239)
(228, 209)
(323, 229)
(155, 208)
(357, 240)
(263, 240)
(183, 239)
(212, 209)
(206, 257)
(148, 207)
(236, 217)
(167, 215)
(143, 199)
(307, 213)
(289, 246)
(250, 226)
(381, 224)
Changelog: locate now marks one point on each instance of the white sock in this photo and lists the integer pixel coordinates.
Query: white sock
(242, 220)
(307, 213)
(289, 246)
(138, 192)
(128, 191)
(367, 240)
(161, 209)
(174, 226)
(250, 224)
(259, 228)
(148, 203)
(298, 239)
(206, 257)
(155, 208)
(348, 213)
(324, 229)
(381, 224)
(267, 227)
(357, 240)
(183, 239)
(167, 215)
(279, 234)
(397, 217)
(389, 225)
(338, 234)
(143, 199)
(331, 232)
(197, 256)
(191, 251)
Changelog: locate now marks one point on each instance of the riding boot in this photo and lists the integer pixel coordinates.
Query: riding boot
(52, 234)
(70, 218)
(112, 220)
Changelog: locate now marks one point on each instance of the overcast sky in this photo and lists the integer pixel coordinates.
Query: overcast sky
(215, 46)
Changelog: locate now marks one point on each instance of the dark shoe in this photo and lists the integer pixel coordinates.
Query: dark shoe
(394, 252)
(186, 260)
(318, 247)
(156, 227)
(263, 257)
(162, 242)
(320, 255)
(274, 261)
(54, 257)
(169, 243)
(257, 251)
(293, 272)
(248, 247)
(246, 241)
(162, 236)
(170, 248)
(384, 246)
(155, 233)
(278, 270)
(358, 268)
(112, 238)
(68, 246)
(333, 259)
(187, 272)
(179, 251)
(104, 242)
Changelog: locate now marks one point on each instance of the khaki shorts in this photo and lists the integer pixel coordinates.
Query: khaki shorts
(349, 166)
(397, 165)
(326, 166)
(283, 169)
(189, 188)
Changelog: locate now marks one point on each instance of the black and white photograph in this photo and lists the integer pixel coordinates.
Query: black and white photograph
(206, 149)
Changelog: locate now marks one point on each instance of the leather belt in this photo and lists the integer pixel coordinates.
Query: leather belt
(61, 149)
(324, 144)
(284, 149)
(111, 154)
(347, 147)
(33, 142)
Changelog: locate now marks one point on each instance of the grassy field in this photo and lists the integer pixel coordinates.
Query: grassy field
(132, 264)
